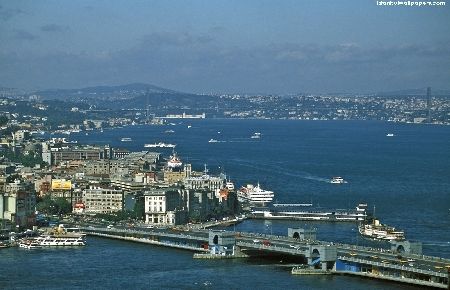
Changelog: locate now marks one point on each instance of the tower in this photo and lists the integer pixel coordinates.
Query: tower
(429, 104)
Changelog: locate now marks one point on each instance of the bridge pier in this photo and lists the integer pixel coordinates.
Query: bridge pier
(221, 243)
(326, 255)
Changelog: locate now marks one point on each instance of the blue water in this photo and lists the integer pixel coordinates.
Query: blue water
(407, 178)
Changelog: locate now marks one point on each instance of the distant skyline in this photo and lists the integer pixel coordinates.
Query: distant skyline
(225, 46)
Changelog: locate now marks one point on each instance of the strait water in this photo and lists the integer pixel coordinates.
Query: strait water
(407, 178)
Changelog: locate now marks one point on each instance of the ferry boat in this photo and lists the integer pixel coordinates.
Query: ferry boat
(255, 194)
(378, 231)
(256, 135)
(337, 180)
(174, 161)
(126, 139)
(213, 141)
(390, 135)
(60, 237)
(160, 145)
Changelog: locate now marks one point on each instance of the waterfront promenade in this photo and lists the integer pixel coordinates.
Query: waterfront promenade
(330, 257)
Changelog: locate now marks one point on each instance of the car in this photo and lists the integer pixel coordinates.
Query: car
(353, 254)
(256, 241)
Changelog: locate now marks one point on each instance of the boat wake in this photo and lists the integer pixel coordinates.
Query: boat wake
(282, 171)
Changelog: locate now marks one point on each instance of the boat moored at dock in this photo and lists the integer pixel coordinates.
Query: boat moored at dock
(255, 194)
(307, 211)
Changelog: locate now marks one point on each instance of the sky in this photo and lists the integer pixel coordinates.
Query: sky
(228, 46)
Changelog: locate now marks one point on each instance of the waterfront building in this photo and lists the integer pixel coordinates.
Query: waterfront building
(165, 206)
(102, 200)
(205, 181)
(17, 204)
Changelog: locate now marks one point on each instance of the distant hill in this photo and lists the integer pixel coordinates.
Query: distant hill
(101, 92)
(130, 96)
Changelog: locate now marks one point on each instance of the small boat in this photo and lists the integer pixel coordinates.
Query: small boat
(189, 126)
(169, 131)
(390, 135)
(126, 139)
(337, 180)
(256, 135)
(213, 141)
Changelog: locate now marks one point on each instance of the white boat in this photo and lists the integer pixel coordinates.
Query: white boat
(67, 239)
(390, 135)
(29, 244)
(255, 194)
(126, 139)
(174, 161)
(256, 135)
(169, 131)
(337, 180)
(61, 237)
(160, 145)
(377, 231)
(213, 141)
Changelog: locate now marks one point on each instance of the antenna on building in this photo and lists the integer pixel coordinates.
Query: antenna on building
(429, 104)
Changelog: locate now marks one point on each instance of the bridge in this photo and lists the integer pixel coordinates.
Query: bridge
(404, 262)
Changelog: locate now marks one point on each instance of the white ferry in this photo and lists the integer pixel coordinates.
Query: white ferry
(213, 141)
(377, 231)
(60, 237)
(126, 139)
(337, 180)
(256, 135)
(255, 194)
(160, 145)
(390, 135)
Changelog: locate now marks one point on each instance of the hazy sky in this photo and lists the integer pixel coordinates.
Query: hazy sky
(225, 46)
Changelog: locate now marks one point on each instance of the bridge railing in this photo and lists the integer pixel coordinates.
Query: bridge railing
(393, 266)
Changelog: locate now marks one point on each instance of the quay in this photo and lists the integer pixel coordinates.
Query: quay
(403, 262)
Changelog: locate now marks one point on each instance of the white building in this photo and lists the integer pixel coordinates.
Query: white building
(164, 207)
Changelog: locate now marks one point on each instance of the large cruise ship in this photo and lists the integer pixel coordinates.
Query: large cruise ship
(255, 194)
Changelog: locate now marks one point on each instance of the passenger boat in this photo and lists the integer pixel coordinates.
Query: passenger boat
(378, 231)
(61, 237)
(256, 135)
(337, 180)
(255, 194)
(389, 135)
(126, 139)
(213, 141)
(160, 145)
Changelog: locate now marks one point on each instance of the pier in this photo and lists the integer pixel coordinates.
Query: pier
(403, 263)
